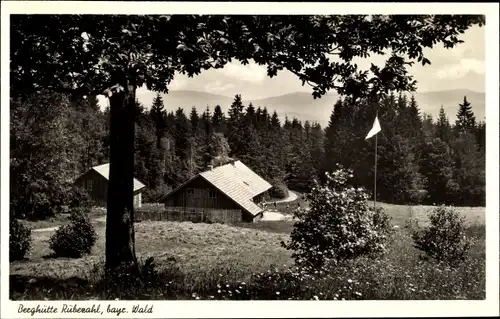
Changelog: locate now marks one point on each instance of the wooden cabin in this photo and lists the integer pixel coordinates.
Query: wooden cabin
(95, 181)
(232, 187)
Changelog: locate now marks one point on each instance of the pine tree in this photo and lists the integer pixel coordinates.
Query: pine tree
(249, 144)
(428, 125)
(159, 117)
(274, 151)
(218, 120)
(182, 133)
(339, 136)
(436, 165)
(260, 122)
(481, 136)
(147, 156)
(466, 121)
(415, 119)
(234, 125)
(316, 148)
(265, 119)
(275, 121)
(208, 149)
(443, 127)
(251, 117)
(469, 171)
(402, 102)
(409, 121)
(194, 119)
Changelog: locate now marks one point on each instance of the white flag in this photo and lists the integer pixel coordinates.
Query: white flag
(375, 129)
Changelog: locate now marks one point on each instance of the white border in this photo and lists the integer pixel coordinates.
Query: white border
(199, 309)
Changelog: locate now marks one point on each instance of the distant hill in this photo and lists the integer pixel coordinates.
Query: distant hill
(304, 107)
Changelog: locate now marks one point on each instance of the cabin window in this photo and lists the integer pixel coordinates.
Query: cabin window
(212, 194)
(190, 191)
(89, 185)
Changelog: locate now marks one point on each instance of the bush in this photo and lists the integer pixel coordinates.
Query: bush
(279, 191)
(78, 197)
(154, 195)
(340, 225)
(75, 239)
(20, 240)
(445, 239)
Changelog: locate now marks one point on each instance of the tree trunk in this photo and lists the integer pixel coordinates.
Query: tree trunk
(120, 236)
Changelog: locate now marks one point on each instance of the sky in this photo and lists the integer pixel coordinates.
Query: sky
(459, 68)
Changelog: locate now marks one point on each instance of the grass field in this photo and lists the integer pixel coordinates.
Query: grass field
(400, 214)
(61, 219)
(205, 253)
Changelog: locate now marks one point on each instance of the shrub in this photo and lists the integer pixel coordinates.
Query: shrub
(340, 225)
(445, 239)
(78, 197)
(155, 195)
(20, 240)
(75, 239)
(279, 190)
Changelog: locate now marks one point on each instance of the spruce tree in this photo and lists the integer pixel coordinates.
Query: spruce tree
(428, 125)
(415, 118)
(443, 127)
(481, 136)
(466, 121)
(251, 117)
(469, 171)
(194, 120)
(218, 120)
(317, 148)
(234, 125)
(340, 134)
(265, 120)
(208, 149)
(275, 121)
(159, 117)
(437, 166)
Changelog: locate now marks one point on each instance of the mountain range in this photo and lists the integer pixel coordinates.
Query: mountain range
(302, 105)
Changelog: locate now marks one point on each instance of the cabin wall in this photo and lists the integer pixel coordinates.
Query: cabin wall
(259, 198)
(200, 194)
(138, 199)
(97, 187)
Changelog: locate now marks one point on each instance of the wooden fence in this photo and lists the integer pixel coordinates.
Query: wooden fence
(193, 214)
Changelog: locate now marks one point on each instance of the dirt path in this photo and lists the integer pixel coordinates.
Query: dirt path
(275, 216)
(291, 197)
(53, 228)
(45, 229)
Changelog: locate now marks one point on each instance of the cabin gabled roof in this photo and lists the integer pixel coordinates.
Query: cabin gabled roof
(236, 181)
(103, 170)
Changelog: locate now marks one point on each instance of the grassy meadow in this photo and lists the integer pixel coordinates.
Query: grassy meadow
(198, 258)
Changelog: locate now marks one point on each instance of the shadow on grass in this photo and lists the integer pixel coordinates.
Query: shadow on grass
(40, 288)
(50, 256)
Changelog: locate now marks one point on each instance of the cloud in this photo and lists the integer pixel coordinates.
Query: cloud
(459, 70)
(179, 82)
(249, 73)
(218, 87)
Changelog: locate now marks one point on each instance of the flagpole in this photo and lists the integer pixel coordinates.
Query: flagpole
(375, 175)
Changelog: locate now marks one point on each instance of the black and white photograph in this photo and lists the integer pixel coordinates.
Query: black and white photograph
(247, 157)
